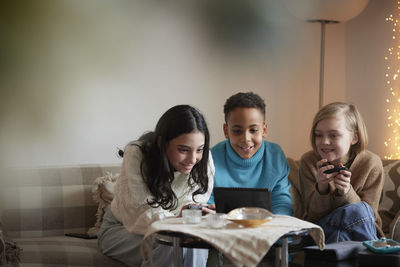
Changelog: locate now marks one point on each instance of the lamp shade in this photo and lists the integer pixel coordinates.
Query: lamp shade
(329, 10)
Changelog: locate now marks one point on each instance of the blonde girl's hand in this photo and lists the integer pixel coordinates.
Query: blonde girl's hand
(342, 182)
(322, 178)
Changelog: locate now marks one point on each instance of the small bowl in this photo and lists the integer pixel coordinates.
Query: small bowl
(249, 217)
(191, 216)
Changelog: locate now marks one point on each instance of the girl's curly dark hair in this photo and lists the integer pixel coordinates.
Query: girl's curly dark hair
(156, 169)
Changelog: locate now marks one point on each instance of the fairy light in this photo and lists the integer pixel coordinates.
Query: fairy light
(392, 60)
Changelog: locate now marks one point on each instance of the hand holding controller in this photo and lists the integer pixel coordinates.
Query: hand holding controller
(207, 208)
(336, 169)
(197, 206)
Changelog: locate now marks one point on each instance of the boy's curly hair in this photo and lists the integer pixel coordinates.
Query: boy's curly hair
(244, 100)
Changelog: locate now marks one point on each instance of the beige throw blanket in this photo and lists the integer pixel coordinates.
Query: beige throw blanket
(243, 246)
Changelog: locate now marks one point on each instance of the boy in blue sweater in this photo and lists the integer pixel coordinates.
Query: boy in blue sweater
(245, 159)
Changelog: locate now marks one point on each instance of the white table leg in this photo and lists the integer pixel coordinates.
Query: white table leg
(178, 252)
(278, 256)
(284, 253)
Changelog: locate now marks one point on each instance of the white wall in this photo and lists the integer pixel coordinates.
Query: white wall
(83, 77)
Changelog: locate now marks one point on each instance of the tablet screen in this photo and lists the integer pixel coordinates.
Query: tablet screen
(229, 198)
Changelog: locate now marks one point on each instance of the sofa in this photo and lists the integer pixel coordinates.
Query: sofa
(38, 206)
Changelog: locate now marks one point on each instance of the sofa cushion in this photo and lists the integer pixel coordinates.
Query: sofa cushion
(49, 201)
(390, 201)
(103, 194)
(297, 203)
(62, 251)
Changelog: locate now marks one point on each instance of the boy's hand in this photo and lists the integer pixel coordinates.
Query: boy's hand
(211, 206)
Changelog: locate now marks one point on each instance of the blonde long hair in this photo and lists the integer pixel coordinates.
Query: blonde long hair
(354, 123)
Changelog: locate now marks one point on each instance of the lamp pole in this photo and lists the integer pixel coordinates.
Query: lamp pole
(322, 58)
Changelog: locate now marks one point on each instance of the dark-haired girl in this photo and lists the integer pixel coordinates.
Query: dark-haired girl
(162, 173)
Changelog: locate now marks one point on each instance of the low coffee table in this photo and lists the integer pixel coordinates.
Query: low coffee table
(180, 240)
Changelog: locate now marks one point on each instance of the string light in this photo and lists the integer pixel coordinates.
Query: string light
(392, 61)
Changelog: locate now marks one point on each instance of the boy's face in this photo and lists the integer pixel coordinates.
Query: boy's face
(245, 129)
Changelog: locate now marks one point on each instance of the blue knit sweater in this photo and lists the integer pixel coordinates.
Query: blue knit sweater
(268, 168)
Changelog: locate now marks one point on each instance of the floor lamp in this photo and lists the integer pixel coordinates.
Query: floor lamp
(322, 58)
(324, 12)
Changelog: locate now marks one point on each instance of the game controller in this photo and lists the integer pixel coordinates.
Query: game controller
(196, 207)
(382, 245)
(335, 169)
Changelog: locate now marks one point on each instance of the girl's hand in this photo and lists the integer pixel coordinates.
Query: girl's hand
(322, 178)
(342, 182)
(204, 207)
(183, 208)
(209, 209)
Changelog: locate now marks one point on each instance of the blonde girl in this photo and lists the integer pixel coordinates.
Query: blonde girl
(341, 181)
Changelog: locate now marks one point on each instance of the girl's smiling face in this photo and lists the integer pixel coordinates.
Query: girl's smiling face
(185, 151)
(245, 129)
(333, 139)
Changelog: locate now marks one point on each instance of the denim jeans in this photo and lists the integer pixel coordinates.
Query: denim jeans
(355, 222)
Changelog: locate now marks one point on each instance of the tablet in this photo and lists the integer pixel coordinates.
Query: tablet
(229, 198)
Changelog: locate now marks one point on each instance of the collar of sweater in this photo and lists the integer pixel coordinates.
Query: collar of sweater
(237, 160)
